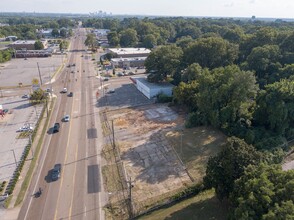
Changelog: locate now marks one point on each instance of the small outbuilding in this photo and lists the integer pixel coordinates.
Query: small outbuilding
(151, 90)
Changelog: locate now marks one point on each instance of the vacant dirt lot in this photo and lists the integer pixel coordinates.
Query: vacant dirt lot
(151, 139)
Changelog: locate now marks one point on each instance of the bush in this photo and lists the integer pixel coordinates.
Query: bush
(162, 98)
(189, 192)
(195, 119)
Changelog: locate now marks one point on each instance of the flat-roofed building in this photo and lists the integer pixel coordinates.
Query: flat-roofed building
(128, 62)
(151, 90)
(129, 52)
(26, 44)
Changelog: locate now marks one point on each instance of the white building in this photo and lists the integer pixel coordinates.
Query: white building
(151, 90)
(128, 62)
(129, 52)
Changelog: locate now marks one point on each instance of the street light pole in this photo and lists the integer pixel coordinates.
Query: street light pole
(31, 145)
(14, 157)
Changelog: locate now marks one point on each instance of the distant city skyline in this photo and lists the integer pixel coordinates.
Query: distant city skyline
(212, 8)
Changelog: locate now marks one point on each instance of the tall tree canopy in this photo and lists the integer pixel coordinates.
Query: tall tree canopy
(128, 38)
(91, 41)
(264, 192)
(163, 61)
(211, 52)
(229, 165)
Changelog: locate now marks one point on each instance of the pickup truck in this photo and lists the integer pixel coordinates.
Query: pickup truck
(56, 127)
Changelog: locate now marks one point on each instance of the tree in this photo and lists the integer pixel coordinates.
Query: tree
(39, 45)
(278, 117)
(149, 41)
(184, 42)
(91, 41)
(38, 96)
(163, 61)
(229, 165)
(211, 52)
(128, 38)
(192, 72)
(226, 97)
(261, 58)
(63, 33)
(55, 32)
(113, 38)
(263, 192)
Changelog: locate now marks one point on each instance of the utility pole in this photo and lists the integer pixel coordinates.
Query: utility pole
(46, 106)
(113, 134)
(39, 73)
(130, 196)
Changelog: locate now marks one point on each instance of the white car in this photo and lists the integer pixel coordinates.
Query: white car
(66, 118)
(25, 128)
(64, 90)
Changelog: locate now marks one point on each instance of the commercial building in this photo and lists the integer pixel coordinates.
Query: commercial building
(151, 90)
(129, 52)
(128, 62)
(26, 44)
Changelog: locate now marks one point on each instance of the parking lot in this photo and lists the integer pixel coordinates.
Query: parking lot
(23, 71)
(120, 92)
(20, 112)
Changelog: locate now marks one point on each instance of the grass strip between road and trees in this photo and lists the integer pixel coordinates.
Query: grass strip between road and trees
(28, 177)
(205, 205)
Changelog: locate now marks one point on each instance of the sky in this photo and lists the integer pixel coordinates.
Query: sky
(209, 8)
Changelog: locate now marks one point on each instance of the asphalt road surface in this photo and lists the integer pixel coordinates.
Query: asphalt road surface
(78, 193)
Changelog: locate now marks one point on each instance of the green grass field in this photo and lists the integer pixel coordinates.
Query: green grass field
(194, 146)
(204, 206)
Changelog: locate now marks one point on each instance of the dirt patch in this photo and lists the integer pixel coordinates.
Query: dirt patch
(195, 146)
(146, 138)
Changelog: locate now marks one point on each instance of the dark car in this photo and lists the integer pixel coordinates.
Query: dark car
(56, 127)
(70, 94)
(55, 175)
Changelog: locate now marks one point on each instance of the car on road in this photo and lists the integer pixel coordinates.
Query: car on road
(56, 127)
(55, 175)
(70, 94)
(25, 128)
(25, 96)
(64, 90)
(66, 118)
(111, 91)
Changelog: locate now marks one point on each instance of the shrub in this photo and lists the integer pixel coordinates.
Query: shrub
(162, 98)
(195, 119)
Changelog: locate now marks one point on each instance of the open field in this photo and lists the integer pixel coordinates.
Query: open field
(149, 140)
(203, 206)
(194, 146)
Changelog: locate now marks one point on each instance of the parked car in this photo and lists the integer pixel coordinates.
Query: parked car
(66, 118)
(55, 175)
(25, 128)
(56, 127)
(3, 197)
(25, 96)
(70, 94)
(111, 91)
